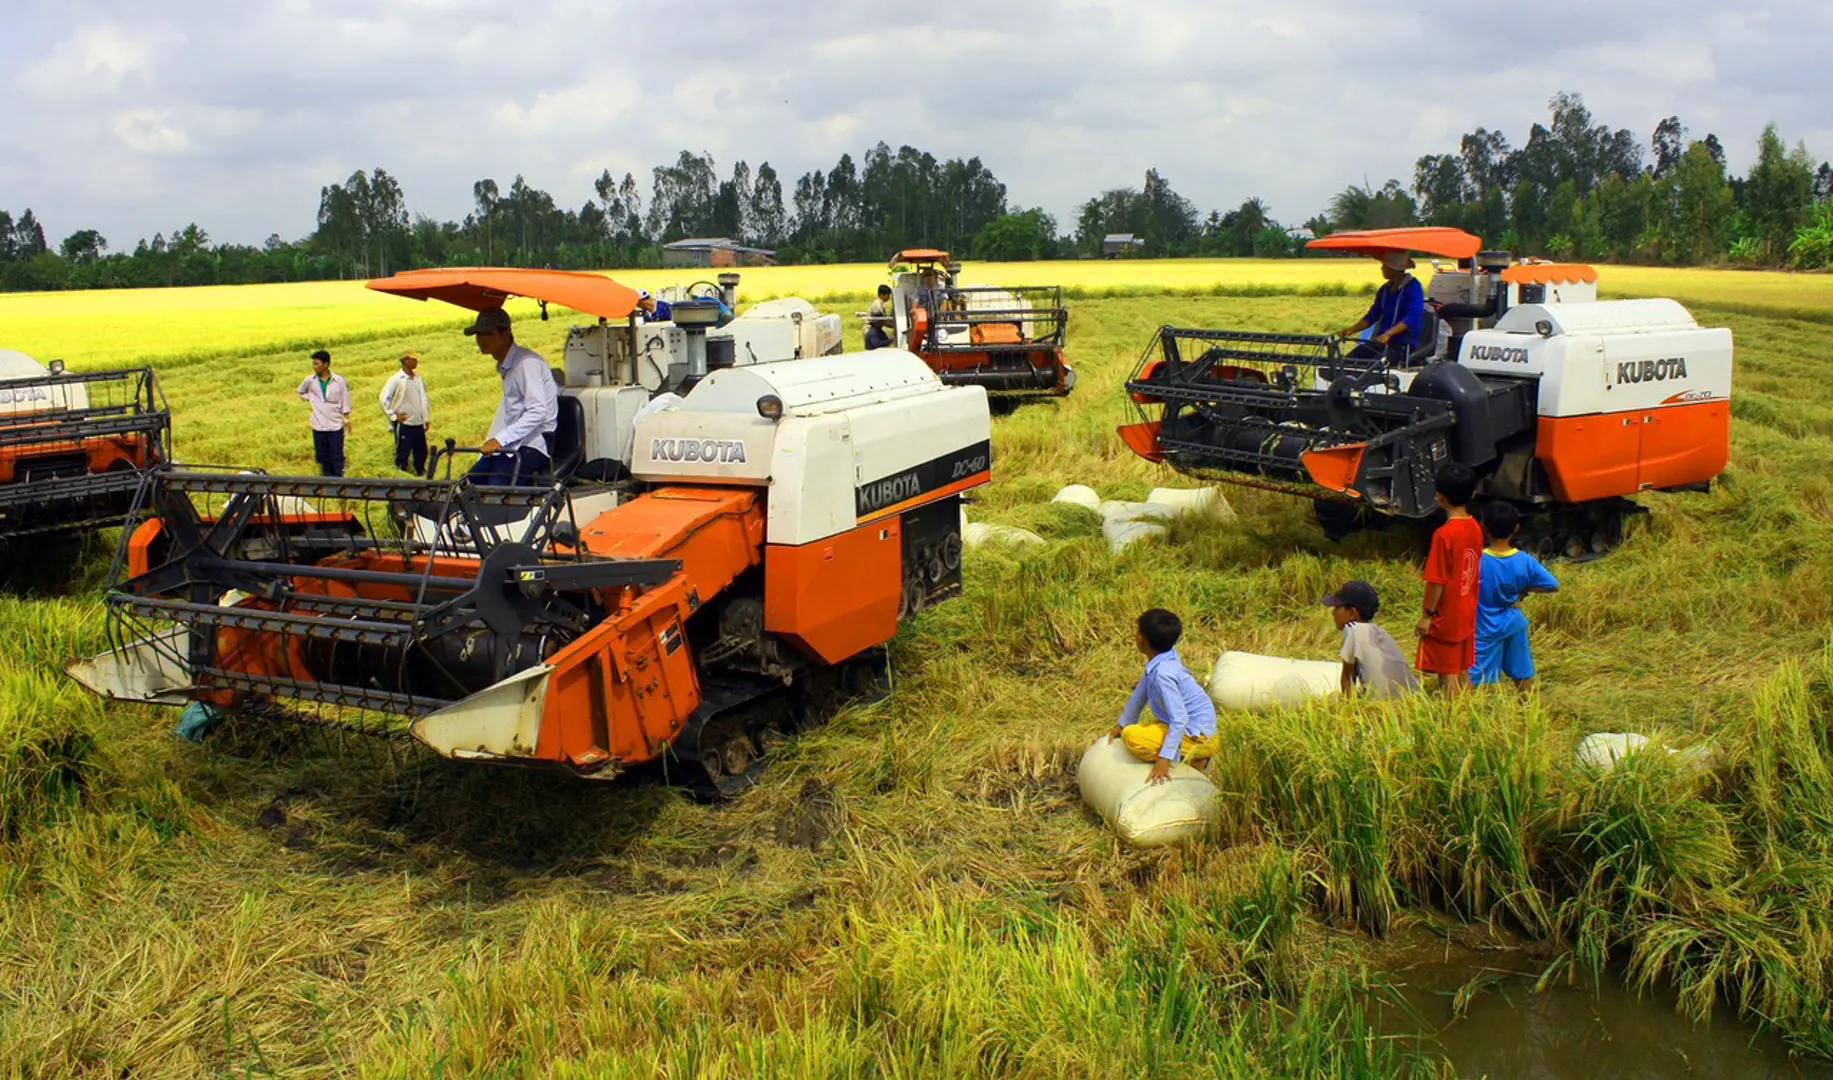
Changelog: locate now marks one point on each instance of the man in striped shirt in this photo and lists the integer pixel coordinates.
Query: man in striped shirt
(329, 397)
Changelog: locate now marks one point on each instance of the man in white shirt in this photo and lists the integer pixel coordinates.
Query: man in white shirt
(329, 397)
(517, 447)
(405, 404)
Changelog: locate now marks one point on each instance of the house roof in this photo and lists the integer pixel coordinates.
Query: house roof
(1121, 238)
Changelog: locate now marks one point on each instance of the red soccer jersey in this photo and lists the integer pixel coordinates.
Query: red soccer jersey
(1457, 556)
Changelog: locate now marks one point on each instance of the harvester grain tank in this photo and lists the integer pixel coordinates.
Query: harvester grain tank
(73, 446)
(779, 522)
(1563, 404)
(1007, 339)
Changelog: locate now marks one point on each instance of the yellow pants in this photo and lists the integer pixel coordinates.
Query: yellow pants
(1144, 741)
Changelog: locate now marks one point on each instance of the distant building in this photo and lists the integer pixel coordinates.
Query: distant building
(1121, 245)
(714, 251)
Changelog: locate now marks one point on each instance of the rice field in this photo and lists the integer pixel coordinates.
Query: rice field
(915, 890)
(116, 327)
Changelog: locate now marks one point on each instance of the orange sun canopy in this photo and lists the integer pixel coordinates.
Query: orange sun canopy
(918, 255)
(483, 287)
(1427, 240)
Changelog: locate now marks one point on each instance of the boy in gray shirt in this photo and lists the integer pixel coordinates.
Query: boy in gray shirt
(1370, 655)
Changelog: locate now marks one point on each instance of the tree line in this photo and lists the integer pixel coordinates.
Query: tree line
(1574, 188)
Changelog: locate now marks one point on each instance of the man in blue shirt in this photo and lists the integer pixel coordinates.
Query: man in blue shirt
(1186, 718)
(654, 310)
(517, 447)
(1398, 313)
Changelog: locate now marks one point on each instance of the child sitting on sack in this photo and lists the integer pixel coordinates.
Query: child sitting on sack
(1184, 725)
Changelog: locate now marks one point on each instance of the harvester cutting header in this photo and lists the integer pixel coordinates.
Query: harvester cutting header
(1563, 404)
(73, 446)
(762, 538)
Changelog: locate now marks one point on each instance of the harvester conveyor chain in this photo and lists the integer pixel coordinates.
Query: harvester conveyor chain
(75, 427)
(422, 491)
(1215, 394)
(335, 573)
(68, 488)
(1318, 341)
(356, 697)
(356, 631)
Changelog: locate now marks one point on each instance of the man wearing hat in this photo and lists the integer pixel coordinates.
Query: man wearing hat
(653, 310)
(329, 397)
(517, 448)
(1398, 313)
(405, 403)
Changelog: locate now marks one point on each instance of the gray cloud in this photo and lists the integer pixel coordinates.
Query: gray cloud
(133, 118)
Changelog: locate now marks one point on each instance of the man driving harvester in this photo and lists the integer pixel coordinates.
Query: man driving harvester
(516, 449)
(1398, 313)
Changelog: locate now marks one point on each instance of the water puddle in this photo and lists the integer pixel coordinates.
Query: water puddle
(1481, 1010)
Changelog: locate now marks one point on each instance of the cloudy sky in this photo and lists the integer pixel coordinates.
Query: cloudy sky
(133, 117)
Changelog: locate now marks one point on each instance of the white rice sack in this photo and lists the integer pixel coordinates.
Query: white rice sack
(1114, 509)
(1122, 533)
(1249, 682)
(1605, 749)
(1206, 502)
(978, 533)
(1113, 784)
(1078, 495)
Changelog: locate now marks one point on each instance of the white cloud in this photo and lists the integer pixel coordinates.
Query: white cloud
(132, 118)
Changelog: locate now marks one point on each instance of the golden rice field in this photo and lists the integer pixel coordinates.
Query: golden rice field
(914, 889)
(104, 328)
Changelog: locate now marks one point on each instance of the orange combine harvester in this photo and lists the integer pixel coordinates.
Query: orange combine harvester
(1006, 339)
(1563, 404)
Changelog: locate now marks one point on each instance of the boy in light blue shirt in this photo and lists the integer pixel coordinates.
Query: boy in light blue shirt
(1507, 576)
(1186, 719)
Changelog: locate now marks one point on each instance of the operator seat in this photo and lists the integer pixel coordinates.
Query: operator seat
(568, 442)
(1427, 339)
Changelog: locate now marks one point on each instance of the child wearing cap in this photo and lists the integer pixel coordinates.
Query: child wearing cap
(1508, 576)
(1448, 629)
(1370, 655)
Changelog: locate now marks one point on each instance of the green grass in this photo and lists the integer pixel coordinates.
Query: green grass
(915, 890)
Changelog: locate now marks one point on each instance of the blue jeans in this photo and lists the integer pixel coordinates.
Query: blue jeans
(506, 469)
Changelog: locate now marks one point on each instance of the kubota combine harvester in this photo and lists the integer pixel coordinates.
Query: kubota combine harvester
(73, 447)
(1563, 404)
(775, 526)
(1007, 339)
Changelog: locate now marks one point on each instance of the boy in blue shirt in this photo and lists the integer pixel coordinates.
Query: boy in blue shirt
(1508, 575)
(1186, 718)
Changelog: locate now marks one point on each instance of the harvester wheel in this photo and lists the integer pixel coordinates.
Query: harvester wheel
(951, 551)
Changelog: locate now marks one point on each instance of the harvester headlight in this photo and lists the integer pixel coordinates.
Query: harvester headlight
(770, 407)
(1544, 328)
(56, 367)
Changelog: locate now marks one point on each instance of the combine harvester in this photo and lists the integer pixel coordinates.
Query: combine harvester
(1007, 340)
(1563, 404)
(73, 447)
(775, 526)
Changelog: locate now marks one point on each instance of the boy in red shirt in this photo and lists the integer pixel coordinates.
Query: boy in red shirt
(1448, 630)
